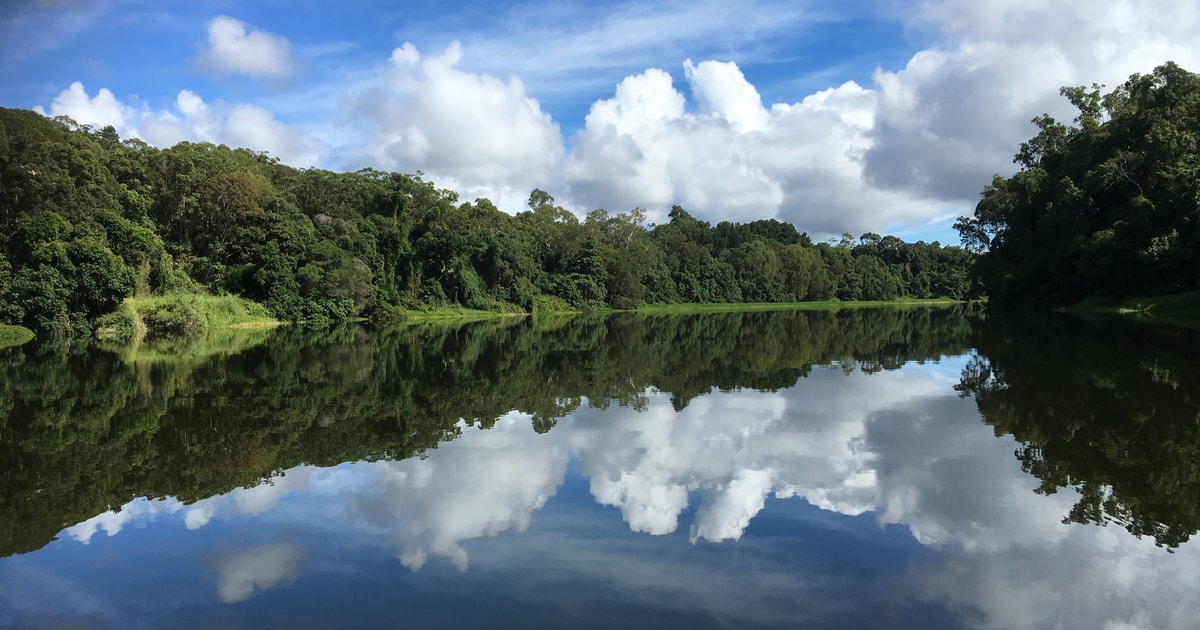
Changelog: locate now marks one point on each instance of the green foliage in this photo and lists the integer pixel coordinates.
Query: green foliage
(1106, 206)
(88, 221)
(549, 305)
(123, 324)
(173, 319)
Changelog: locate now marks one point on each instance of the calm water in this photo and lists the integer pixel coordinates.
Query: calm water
(882, 468)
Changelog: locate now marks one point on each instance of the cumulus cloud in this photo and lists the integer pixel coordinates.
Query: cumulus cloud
(236, 48)
(463, 129)
(241, 125)
(956, 113)
(98, 111)
(723, 91)
(735, 159)
(240, 574)
(909, 150)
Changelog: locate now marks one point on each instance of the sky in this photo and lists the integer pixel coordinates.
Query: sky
(884, 116)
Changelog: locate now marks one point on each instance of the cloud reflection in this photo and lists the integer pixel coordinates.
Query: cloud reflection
(481, 485)
(900, 444)
(241, 573)
(137, 511)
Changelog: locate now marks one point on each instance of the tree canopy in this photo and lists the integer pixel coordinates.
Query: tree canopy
(1106, 206)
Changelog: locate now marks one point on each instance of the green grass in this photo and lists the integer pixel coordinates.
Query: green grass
(829, 305)
(14, 335)
(457, 313)
(181, 314)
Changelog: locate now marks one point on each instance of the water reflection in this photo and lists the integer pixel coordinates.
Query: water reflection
(615, 505)
(1109, 409)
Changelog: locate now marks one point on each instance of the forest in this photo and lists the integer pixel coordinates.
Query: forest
(1107, 207)
(88, 219)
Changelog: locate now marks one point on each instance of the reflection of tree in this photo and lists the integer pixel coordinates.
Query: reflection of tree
(82, 433)
(1109, 408)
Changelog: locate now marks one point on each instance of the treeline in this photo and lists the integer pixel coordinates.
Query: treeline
(1106, 207)
(87, 219)
(85, 432)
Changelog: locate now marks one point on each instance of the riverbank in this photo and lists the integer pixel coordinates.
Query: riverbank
(826, 305)
(181, 315)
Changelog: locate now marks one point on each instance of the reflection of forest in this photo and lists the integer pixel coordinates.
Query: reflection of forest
(1109, 408)
(85, 432)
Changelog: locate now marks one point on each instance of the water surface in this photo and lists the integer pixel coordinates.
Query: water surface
(881, 468)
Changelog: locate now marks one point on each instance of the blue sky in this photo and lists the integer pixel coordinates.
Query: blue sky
(880, 115)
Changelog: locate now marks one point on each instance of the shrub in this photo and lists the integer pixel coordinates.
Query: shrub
(173, 319)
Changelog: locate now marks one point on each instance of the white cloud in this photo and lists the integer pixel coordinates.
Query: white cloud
(912, 148)
(99, 111)
(956, 114)
(723, 92)
(241, 573)
(735, 159)
(236, 48)
(241, 125)
(463, 129)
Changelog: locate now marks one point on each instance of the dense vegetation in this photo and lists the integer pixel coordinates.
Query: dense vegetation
(85, 432)
(1106, 207)
(87, 219)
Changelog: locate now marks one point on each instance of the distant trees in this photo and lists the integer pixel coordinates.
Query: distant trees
(1106, 206)
(87, 220)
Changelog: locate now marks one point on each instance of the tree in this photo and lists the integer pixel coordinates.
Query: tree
(1106, 206)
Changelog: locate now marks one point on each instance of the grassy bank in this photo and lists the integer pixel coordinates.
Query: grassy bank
(181, 315)
(455, 313)
(14, 335)
(829, 305)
